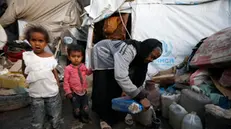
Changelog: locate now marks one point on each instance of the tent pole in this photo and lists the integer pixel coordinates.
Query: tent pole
(89, 46)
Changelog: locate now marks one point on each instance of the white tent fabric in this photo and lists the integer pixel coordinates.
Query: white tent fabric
(101, 9)
(176, 2)
(97, 7)
(179, 27)
(179, 24)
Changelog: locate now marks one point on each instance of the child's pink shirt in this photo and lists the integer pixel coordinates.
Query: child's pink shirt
(72, 79)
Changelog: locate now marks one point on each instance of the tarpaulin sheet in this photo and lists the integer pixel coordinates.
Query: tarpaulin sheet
(3, 37)
(101, 9)
(215, 51)
(177, 2)
(178, 27)
(55, 15)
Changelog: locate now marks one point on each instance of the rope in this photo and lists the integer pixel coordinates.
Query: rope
(124, 25)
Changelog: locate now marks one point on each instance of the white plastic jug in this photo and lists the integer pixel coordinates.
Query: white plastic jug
(176, 115)
(191, 121)
(166, 100)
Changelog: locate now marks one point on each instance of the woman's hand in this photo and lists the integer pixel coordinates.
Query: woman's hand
(145, 103)
(123, 94)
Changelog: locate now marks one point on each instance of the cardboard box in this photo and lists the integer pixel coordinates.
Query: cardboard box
(167, 79)
(224, 90)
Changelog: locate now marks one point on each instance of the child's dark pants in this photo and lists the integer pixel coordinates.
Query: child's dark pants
(80, 105)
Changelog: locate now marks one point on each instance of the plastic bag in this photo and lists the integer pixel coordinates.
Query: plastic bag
(191, 121)
(166, 101)
(217, 118)
(176, 115)
(183, 78)
(199, 77)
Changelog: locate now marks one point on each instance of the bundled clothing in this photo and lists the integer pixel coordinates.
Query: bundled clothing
(43, 89)
(118, 66)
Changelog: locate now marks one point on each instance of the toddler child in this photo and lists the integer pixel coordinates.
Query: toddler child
(75, 82)
(39, 71)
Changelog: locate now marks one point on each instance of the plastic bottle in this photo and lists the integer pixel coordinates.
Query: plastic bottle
(176, 115)
(166, 100)
(191, 121)
(125, 104)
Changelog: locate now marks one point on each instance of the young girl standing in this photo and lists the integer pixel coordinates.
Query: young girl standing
(75, 82)
(39, 70)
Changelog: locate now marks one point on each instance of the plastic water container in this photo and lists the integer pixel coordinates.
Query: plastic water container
(125, 104)
(153, 93)
(191, 121)
(166, 100)
(176, 115)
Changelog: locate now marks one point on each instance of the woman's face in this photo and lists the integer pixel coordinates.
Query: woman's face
(156, 53)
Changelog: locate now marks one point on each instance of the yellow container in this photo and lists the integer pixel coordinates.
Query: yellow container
(12, 80)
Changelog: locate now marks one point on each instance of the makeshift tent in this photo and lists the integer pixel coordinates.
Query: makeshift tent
(3, 37)
(83, 3)
(55, 15)
(179, 24)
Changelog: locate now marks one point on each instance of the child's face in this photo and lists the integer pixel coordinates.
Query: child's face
(75, 57)
(38, 42)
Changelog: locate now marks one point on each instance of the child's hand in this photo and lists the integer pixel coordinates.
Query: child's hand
(69, 96)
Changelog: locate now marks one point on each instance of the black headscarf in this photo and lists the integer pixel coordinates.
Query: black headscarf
(138, 68)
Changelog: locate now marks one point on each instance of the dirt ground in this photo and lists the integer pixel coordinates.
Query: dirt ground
(20, 119)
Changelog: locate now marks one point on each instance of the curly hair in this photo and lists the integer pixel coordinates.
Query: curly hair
(39, 29)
